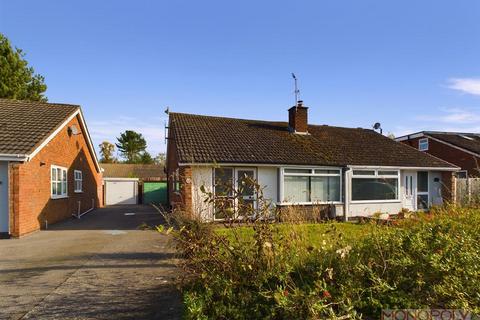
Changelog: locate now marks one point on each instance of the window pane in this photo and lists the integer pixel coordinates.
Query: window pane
(296, 189)
(54, 188)
(64, 175)
(422, 181)
(322, 171)
(387, 173)
(363, 172)
(298, 171)
(59, 188)
(59, 174)
(54, 174)
(223, 181)
(422, 201)
(375, 189)
(325, 189)
(64, 188)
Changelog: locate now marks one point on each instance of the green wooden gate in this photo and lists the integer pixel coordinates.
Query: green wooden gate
(155, 192)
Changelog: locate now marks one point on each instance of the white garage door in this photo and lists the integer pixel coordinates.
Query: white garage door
(121, 192)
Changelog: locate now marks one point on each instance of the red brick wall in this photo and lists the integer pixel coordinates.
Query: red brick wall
(183, 198)
(30, 188)
(457, 157)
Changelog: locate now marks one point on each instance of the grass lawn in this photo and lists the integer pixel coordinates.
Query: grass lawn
(312, 234)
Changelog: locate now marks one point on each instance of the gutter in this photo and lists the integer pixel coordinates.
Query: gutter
(13, 157)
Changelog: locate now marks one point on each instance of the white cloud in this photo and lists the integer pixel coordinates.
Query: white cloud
(446, 119)
(466, 85)
(151, 128)
(452, 116)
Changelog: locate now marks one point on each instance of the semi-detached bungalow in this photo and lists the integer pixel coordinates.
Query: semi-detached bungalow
(358, 171)
(48, 167)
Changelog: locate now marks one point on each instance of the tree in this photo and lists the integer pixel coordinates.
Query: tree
(160, 159)
(131, 145)
(106, 150)
(18, 80)
(146, 158)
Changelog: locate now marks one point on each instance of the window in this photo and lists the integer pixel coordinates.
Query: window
(223, 189)
(58, 180)
(463, 174)
(375, 185)
(422, 190)
(78, 178)
(311, 185)
(423, 144)
(176, 181)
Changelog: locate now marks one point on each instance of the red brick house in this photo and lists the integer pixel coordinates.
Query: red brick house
(357, 171)
(48, 167)
(461, 149)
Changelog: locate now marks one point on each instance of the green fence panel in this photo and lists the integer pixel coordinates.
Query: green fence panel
(155, 192)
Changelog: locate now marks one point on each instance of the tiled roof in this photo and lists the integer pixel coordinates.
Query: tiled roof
(468, 141)
(206, 139)
(141, 171)
(25, 124)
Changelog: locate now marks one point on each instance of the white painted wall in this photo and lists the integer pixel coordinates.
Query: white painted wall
(202, 176)
(368, 209)
(268, 180)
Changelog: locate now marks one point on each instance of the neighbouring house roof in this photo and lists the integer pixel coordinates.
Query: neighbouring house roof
(206, 139)
(27, 126)
(152, 172)
(468, 141)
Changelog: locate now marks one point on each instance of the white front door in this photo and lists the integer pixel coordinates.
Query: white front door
(247, 198)
(3, 197)
(409, 190)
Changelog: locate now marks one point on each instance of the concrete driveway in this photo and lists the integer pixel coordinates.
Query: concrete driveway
(99, 267)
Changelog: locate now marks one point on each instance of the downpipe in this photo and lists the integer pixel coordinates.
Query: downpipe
(79, 215)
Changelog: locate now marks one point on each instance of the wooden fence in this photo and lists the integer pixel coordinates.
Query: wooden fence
(467, 191)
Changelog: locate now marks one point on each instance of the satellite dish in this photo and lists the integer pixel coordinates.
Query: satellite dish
(377, 125)
(167, 110)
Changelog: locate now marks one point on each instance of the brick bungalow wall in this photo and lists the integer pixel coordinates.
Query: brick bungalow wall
(182, 199)
(457, 157)
(30, 187)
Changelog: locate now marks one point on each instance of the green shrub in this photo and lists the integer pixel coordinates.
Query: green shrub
(276, 271)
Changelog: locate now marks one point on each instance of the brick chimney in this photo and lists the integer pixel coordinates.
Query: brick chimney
(298, 118)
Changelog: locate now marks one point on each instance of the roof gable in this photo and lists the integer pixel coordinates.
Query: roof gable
(27, 126)
(206, 139)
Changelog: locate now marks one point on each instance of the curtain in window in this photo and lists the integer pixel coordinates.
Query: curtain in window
(296, 189)
(325, 189)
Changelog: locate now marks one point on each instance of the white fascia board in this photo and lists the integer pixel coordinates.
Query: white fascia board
(405, 168)
(410, 136)
(89, 141)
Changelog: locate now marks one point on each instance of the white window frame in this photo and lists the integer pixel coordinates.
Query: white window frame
(423, 193)
(376, 176)
(311, 174)
(61, 181)
(423, 144)
(78, 181)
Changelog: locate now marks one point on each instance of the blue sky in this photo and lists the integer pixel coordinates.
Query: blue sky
(411, 65)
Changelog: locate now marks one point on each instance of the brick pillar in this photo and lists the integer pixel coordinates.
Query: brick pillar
(447, 186)
(186, 188)
(14, 199)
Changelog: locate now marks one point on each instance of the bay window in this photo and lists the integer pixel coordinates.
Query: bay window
(307, 186)
(375, 185)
